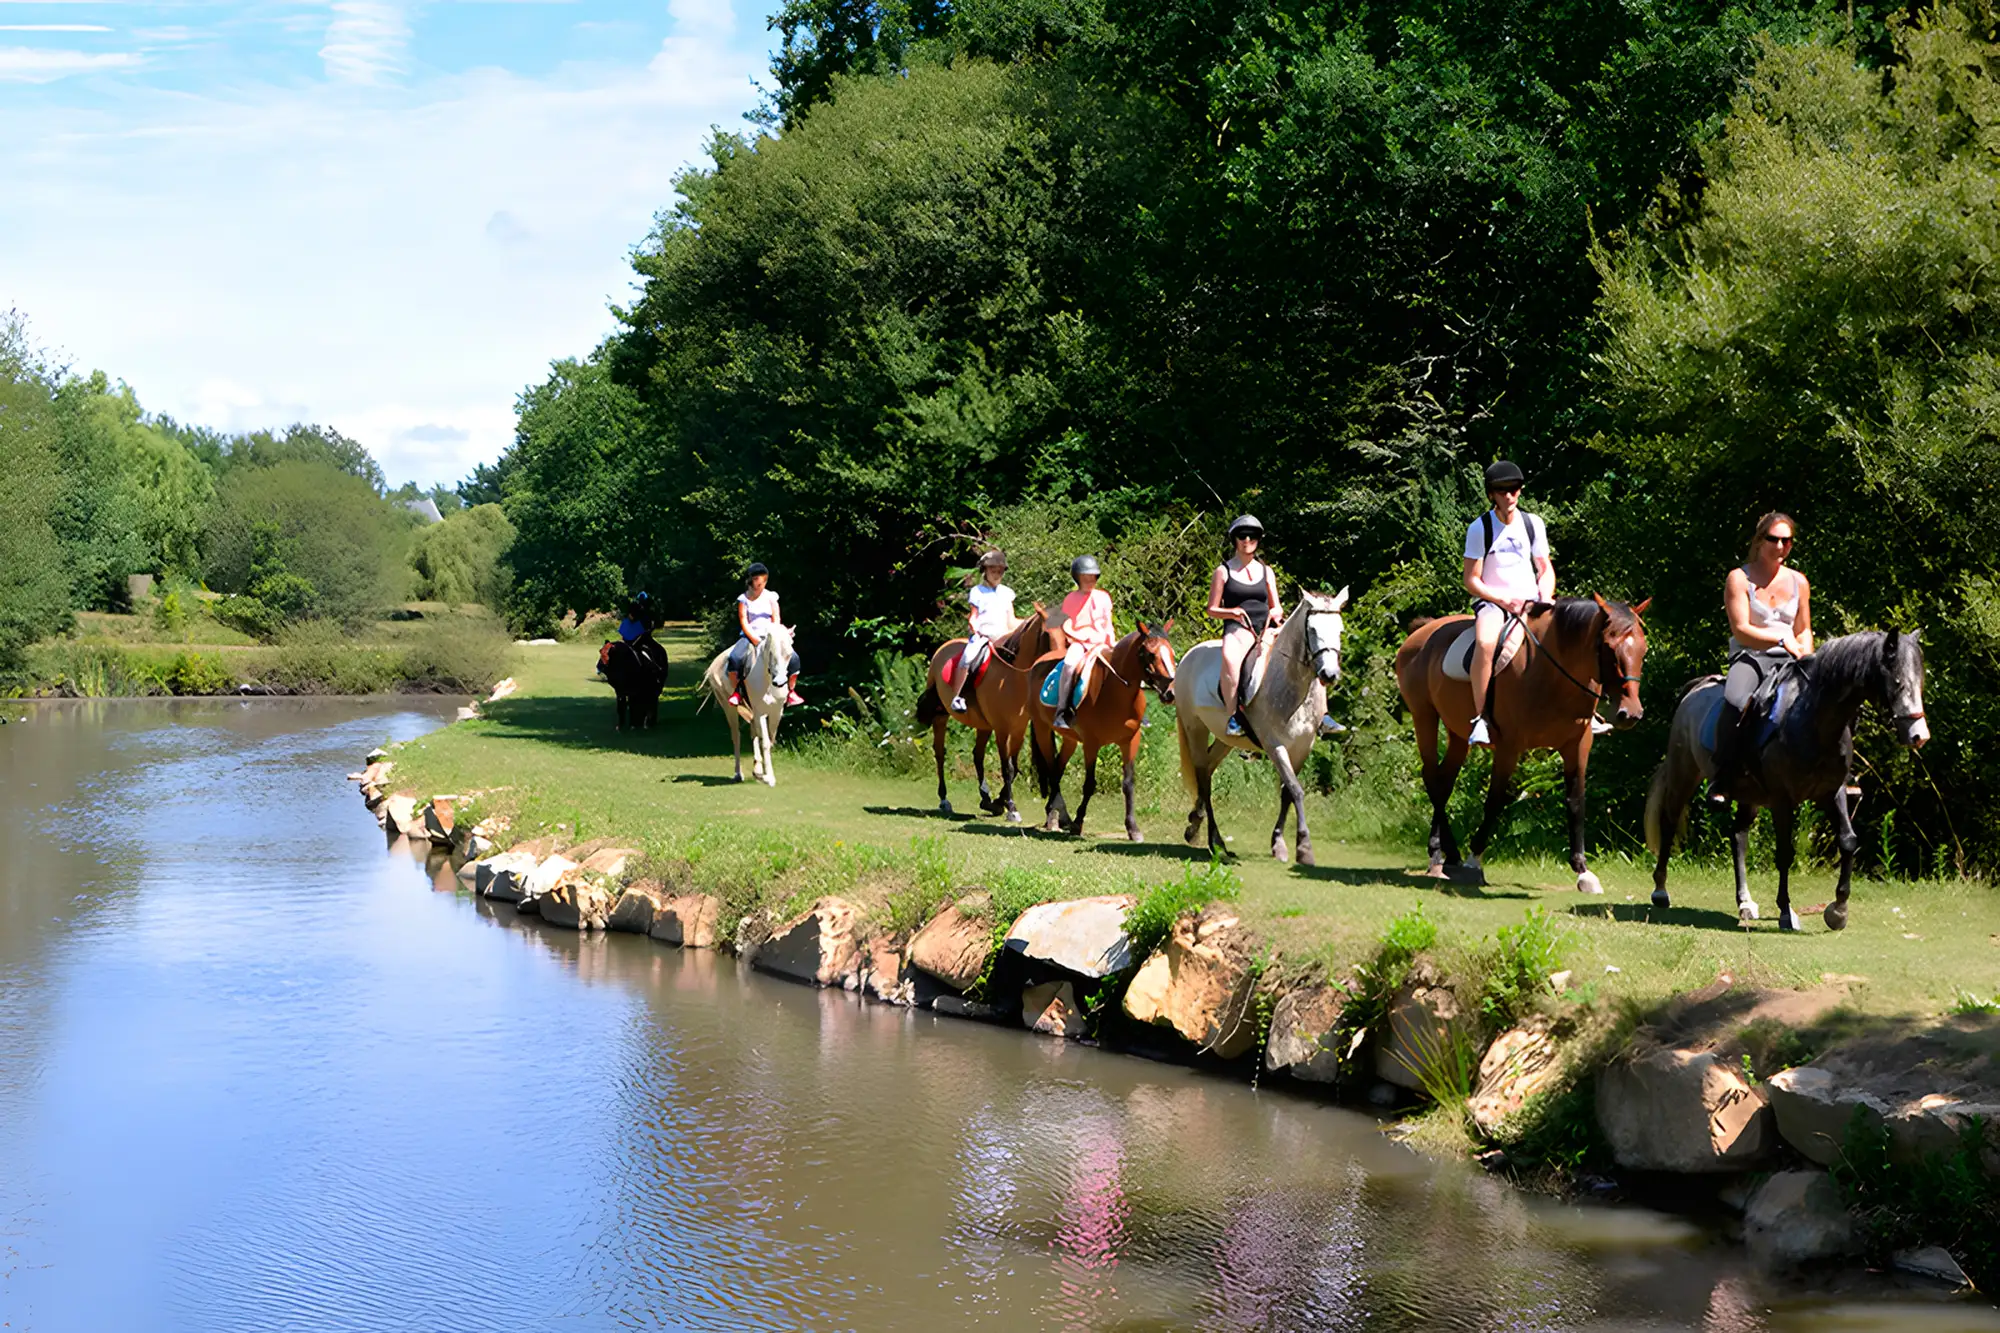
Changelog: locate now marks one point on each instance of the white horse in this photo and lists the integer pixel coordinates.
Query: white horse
(1285, 713)
(764, 685)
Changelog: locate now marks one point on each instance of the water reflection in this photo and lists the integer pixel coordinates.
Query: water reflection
(256, 1073)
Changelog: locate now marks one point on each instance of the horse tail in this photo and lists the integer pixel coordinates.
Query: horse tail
(1658, 797)
(929, 706)
(1418, 622)
(1187, 754)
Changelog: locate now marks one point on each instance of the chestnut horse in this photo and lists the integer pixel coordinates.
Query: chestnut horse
(997, 705)
(1112, 707)
(1544, 700)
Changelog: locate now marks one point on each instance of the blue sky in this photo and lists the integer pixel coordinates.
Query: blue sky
(382, 215)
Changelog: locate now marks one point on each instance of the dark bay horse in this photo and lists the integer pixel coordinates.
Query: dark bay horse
(1112, 707)
(997, 706)
(1806, 757)
(637, 672)
(1544, 700)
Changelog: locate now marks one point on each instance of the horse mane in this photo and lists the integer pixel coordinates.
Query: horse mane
(1008, 645)
(1850, 662)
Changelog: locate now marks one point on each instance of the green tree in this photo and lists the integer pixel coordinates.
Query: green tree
(460, 560)
(304, 517)
(34, 585)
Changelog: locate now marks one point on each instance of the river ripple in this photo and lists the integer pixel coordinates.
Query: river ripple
(256, 1073)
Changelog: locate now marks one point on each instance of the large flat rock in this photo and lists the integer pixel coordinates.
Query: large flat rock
(819, 947)
(1085, 936)
(953, 947)
(1305, 1034)
(1666, 1108)
(1199, 984)
(688, 919)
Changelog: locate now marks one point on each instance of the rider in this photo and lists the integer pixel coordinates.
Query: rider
(756, 613)
(638, 622)
(1243, 594)
(991, 617)
(1506, 568)
(1086, 617)
(1770, 622)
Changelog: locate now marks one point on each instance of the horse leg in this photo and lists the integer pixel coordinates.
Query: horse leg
(1131, 777)
(1290, 792)
(938, 725)
(1575, 764)
(986, 801)
(1850, 842)
(1089, 788)
(1010, 769)
(1739, 851)
(1498, 791)
(1784, 823)
(1056, 812)
(764, 749)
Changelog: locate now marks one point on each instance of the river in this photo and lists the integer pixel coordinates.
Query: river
(257, 1072)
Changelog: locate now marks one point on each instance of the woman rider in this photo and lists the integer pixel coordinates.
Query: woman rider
(1244, 596)
(1086, 617)
(1770, 622)
(991, 617)
(756, 613)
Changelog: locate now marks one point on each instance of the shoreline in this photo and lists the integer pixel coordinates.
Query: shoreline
(1677, 1096)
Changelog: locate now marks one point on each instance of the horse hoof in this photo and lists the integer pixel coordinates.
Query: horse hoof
(944, 807)
(1836, 916)
(1660, 898)
(1746, 911)
(1788, 920)
(1436, 871)
(1134, 835)
(1277, 849)
(1587, 882)
(1305, 857)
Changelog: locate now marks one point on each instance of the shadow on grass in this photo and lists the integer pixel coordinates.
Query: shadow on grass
(1169, 851)
(586, 724)
(711, 780)
(1702, 918)
(918, 812)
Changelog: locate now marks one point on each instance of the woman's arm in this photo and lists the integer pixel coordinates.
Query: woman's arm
(743, 620)
(777, 616)
(1802, 622)
(1277, 616)
(1216, 610)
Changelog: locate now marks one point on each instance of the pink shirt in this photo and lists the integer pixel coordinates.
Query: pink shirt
(1087, 620)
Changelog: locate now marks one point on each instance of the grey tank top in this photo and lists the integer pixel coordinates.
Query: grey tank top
(1765, 616)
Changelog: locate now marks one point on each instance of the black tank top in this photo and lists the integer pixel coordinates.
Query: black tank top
(1252, 599)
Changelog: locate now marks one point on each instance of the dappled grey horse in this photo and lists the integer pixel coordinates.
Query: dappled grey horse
(1805, 756)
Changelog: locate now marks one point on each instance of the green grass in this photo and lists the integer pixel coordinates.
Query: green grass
(869, 829)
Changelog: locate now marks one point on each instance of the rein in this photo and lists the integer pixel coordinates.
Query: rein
(1597, 693)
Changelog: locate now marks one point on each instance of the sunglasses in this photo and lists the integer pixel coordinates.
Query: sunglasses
(1504, 490)
(1776, 540)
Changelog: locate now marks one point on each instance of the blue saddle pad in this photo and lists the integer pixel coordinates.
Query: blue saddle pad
(1766, 724)
(1050, 684)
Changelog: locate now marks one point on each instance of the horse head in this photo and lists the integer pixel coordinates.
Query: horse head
(1903, 687)
(1621, 655)
(1156, 658)
(1324, 626)
(776, 652)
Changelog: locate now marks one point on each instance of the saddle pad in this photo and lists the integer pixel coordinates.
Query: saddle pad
(1766, 709)
(1458, 657)
(1050, 684)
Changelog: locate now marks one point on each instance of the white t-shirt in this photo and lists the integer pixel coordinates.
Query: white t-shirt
(1510, 565)
(992, 609)
(759, 612)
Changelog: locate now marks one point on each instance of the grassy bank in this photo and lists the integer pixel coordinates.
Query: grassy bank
(836, 823)
(444, 651)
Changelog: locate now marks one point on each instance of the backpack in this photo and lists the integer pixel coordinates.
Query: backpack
(1535, 531)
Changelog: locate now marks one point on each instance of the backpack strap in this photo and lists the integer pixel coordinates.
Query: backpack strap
(1486, 527)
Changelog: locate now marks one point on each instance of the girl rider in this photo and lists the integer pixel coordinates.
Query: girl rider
(1086, 617)
(756, 613)
(1770, 622)
(1506, 567)
(1244, 596)
(992, 616)
(638, 622)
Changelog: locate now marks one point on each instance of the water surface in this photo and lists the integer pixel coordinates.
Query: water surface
(258, 1072)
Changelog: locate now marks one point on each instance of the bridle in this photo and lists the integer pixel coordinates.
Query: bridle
(1616, 675)
(1306, 651)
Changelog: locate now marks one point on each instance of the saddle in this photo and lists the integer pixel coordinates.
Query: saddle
(1458, 654)
(1763, 714)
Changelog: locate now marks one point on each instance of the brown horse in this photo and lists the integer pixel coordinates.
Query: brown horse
(996, 706)
(1112, 707)
(1543, 701)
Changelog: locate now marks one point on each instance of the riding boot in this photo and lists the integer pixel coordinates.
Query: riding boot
(1728, 725)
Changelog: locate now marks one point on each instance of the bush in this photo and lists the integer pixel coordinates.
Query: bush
(91, 671)
(244, 612)
(461, 656)
(306, 515)
(317, 658)
(197, 673)
(1519, 967)
(288, 596)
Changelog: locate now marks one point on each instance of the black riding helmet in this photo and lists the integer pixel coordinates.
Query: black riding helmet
(1084, 564)
(1246, 525)
(755, 570)
(1503, 473)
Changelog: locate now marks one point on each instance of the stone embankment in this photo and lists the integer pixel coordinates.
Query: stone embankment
(1678, 1096)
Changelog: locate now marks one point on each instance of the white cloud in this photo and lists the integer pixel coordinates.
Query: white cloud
(366, 41)
(35, 64)
(396, 262)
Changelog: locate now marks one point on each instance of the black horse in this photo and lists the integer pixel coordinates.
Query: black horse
(637, 672)
(1804, 756)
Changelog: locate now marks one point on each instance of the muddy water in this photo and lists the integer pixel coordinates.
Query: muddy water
(256, 1073)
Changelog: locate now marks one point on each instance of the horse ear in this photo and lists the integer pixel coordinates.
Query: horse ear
(1340, 599)
(1640, 608)
(1602, 605)
(1889, 644)
(1167, 628)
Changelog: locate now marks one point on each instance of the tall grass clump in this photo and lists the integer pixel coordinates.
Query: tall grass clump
(316, 657)
(1152, 917)
(466, 655)
(932, 873)
(1518, 968)
(92, 671)
(1943, 1199)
